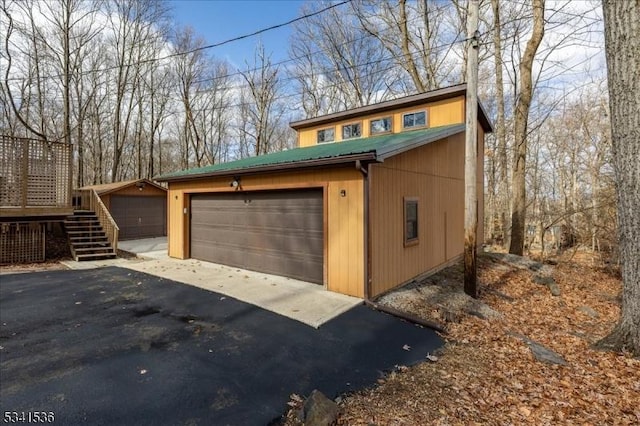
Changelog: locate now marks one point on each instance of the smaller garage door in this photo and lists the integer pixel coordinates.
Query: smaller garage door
(276, 232)
(139, 217)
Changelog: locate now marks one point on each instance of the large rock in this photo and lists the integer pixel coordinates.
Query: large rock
(541, 353)
(549, 282)
(544, 354)
(318, 410)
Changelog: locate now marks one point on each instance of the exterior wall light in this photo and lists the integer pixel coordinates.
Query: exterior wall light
(235, 183)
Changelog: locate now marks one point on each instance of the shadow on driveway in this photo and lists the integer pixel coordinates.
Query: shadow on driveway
(114, 346)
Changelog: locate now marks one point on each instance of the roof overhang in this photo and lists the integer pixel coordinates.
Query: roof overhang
(109, 188)
(404, 102)
(272, 168)
(375, 155)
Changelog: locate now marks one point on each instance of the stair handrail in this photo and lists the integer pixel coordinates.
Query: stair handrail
(109, 225)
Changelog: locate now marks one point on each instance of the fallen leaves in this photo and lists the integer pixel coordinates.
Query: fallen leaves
(486, 375)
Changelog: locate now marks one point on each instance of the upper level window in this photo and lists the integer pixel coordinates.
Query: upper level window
(414, 119)
(326, 135)
(381, 125)
(351, 131)
(410, 221)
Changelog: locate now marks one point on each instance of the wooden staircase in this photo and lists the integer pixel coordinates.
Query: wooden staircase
(87, 239)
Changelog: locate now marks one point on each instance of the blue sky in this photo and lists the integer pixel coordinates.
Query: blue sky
(219, 20)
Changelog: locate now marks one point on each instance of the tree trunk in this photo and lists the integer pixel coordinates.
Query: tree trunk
(622, 32)
(501, 140)
(471, 155)
(521, 117)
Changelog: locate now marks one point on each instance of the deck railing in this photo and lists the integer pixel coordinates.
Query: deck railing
(88, 199)
(34, 175)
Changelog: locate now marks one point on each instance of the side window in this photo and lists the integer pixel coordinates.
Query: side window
(380, 125)
(326, 135)
(350, 131)
(414, 119)
(410, 221)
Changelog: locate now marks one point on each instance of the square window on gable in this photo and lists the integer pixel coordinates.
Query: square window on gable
(414, 119)
(350, 131)
(326, 135)
(380, 125)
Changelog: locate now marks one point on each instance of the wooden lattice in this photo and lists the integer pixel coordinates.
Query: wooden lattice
(34, 173)
(21, 242)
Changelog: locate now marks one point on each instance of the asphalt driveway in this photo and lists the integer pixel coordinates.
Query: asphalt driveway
(115, 346)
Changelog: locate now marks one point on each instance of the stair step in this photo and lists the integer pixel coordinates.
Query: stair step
(83, 225)
(80, 222)
(95, 256)
(88, 239)
(96, 233)
(100, 248)
(88, 244)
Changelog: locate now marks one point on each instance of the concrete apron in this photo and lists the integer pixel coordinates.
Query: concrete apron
(308, 303)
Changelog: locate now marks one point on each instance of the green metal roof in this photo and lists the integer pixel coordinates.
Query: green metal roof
(376, 148)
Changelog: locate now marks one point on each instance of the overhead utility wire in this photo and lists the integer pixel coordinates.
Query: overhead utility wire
(296, 94)
(209, 46)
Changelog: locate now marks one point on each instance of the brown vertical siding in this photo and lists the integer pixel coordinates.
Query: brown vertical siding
(435, 175)
(344, 253)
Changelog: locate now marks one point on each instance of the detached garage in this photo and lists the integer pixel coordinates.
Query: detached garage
(371, 199)
(139, 207)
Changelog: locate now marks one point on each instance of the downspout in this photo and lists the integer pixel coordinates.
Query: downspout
(367, 230)
(367, 261)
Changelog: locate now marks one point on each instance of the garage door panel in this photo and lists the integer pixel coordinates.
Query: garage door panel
(274, 232)
(307, 268)
(139, 217)
(287, 244)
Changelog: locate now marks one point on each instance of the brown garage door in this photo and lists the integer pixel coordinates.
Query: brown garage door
(278, 233)
(139, 217)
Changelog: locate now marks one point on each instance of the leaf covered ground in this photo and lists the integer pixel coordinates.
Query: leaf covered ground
(487, 375)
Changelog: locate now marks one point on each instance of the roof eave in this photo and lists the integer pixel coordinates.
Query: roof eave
(408, 101)
(432, 96)
(132, 183)
(367, 156)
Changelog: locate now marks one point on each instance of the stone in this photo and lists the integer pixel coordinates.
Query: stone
(544, 354)
(554, 289)
(549, 282)
(588, 311)
(318, 410)
(542, 280)
(540, 352)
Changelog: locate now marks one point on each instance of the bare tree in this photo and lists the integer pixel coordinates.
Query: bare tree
(622, 31)
(260, 110)
(501, 140)
(521, 120)
(338, 65)
(133, 24)
(416, 38)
